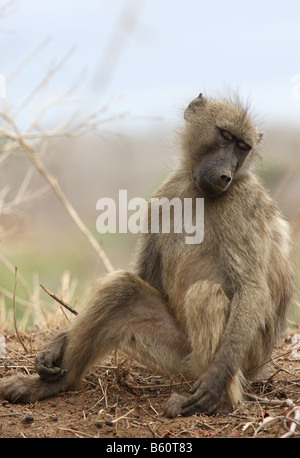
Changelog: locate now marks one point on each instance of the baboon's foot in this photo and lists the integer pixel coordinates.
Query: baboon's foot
(27, 388)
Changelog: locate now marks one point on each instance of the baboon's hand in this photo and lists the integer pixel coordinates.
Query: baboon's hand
(46, 364)
(206, 398)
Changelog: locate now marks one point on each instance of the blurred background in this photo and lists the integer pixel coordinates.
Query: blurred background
(91, 98)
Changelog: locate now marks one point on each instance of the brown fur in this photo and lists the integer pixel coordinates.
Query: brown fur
(212, 311)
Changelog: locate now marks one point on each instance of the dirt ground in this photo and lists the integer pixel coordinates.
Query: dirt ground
(121, 399)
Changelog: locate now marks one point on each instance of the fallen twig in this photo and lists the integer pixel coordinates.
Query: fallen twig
(294, 422)
(122, 416)
(285, 418)
(64, 304)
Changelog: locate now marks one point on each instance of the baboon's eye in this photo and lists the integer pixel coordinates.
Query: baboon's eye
(244, 146)
(227, 135)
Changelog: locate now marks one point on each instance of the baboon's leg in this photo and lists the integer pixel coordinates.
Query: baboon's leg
(206, 312)
(124, 312)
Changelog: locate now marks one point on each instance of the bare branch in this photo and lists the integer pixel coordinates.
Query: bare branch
(30, 152)
(46, 79)
(27, 60)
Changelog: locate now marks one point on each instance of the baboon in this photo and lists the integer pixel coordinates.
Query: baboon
(212, 311)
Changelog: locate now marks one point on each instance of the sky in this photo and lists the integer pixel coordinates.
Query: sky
(151, 57)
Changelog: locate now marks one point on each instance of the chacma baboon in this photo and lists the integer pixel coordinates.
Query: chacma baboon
(212, 311)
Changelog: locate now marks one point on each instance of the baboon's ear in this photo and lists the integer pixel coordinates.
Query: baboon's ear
(192, 107)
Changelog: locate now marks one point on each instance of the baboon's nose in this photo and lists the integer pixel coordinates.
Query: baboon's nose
(226, 178)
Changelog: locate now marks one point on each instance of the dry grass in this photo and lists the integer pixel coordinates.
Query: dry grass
(121, 398)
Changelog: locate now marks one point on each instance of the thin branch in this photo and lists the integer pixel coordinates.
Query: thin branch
(14, 307)
(271, 402)
(122, 416)
(27, 60)
(269, 360)
(64, 304)
(58, 191)
(8, 208)
(294, 422)
(286, 418)
(45, 80)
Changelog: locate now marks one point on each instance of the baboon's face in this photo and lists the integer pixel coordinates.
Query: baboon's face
(217, 140)
(217, 164)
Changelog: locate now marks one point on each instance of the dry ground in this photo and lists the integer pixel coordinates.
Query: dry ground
(121, 399)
